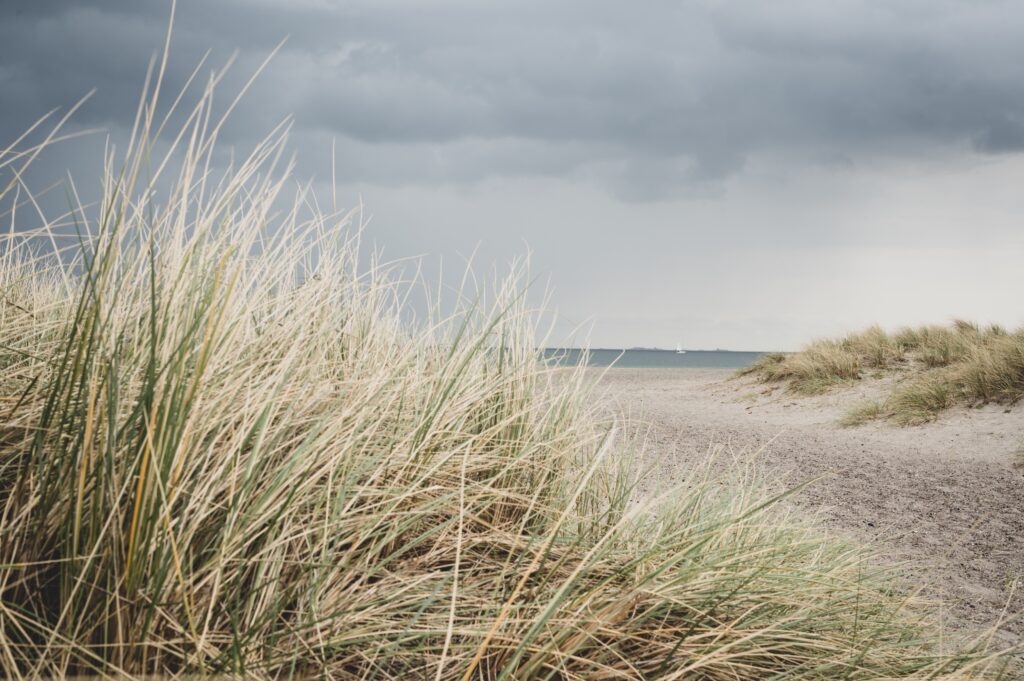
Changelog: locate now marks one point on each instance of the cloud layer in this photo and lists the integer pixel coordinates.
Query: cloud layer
(650, 101)
(795, 151)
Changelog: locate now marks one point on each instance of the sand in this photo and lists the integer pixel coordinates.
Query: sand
(944, 501)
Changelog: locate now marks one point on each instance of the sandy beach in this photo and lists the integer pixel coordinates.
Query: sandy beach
(943, 500)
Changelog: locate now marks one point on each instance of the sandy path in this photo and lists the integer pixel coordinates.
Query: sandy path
(945, 499)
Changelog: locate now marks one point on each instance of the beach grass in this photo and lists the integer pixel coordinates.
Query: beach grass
(936, 367)
(230, 444)
(867, 410)
(821, 366)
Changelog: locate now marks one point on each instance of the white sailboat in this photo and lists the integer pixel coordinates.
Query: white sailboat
(679, 349)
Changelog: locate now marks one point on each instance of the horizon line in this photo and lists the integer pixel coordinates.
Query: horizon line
(651, 349)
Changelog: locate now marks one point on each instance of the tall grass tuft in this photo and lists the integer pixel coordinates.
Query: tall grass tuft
(227, 446)
(938, 367)
(922, 399)
(820, 366)
(874, 348)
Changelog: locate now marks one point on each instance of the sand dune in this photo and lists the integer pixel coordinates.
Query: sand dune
(945, 499)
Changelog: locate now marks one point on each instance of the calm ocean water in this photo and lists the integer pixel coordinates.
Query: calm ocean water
(647, 359)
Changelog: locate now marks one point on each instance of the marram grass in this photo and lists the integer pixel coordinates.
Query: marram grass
(937, 367)
(226, 448)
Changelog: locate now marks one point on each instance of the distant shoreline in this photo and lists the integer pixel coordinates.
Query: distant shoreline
(647, 358)
(603, 349)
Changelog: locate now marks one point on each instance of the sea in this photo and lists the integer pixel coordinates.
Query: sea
(643, 358)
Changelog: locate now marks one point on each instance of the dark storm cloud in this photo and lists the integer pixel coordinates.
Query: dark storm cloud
(653, 99)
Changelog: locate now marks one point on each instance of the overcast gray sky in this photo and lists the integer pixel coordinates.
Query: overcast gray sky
(745, 175)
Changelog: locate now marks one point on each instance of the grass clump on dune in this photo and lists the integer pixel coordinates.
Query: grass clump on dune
(225, 447)
(820, 366)
(920, 400)
(936, 367)
(865, 411)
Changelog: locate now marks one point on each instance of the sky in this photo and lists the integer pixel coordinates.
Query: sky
(740, 175)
